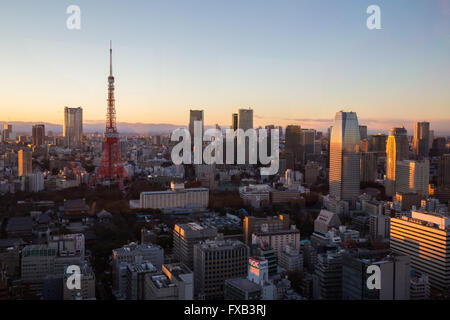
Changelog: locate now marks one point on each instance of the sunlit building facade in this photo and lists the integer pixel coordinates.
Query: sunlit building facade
(421, 139)
(397, 149)
(38, 135)
(25, 163)
(73, 126)
(426, 238)
(413, 176)
(345, 157)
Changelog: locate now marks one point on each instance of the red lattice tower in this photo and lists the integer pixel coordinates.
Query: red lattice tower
(111, 168)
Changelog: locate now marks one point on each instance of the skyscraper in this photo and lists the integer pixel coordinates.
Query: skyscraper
(245, 122)
(368, 166)
(7, 132)
(185, 236)
(73, 126)
(308, 137)
(293, 143)
(215, 261)
(25, 163)
(327, 276)
(395, 279)
(345, 157)
(397, 149)
(363, 132)
(439, 147)
(378, 143)
(444, 171)
(38, 135)
(245, 118)
(421, 139)
(426, 238)
(195, 115)
(234, 121)
(413, 176)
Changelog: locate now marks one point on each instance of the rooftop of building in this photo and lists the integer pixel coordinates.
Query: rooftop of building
(141, 267)
(161, 281)
(269, 232)
(429, 219)
(75, 205)
(368, 257)
(220, 244)
(326, 216)
(255, 188)
(39, 250)
(244, 284)
(192, 228)
(174, 191)
(19, 224)
(177, 269)
(135, 247)
(11, 242)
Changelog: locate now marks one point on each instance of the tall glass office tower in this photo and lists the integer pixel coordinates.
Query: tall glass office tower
(345, 157)
(397, 149)
(73, 126)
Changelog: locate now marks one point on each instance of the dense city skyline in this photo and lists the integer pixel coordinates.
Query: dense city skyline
(309, 63)
(247, 196)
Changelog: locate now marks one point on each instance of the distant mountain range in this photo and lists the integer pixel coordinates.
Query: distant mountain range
(21, 127)
(441, 126)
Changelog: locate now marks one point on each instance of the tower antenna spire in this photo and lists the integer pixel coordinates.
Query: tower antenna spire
(110, 58)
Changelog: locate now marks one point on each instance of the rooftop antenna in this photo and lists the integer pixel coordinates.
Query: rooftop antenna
(110, 58)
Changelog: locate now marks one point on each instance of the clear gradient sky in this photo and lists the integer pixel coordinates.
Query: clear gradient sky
(292, 61)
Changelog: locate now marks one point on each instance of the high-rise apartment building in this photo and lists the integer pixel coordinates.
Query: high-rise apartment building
(245, 122)
(87, 285)
(426, 238)
(215, 261)
(378, 143)
(421, 139)
(234, 121)
(345, 157)
(135, 280)
(379, 225)
(312, 171)
(413, 176)
(290, 258)
(185, 236)
(73, 126)
(397, 149)
(394, 277)
(293, 143)
(245, 118)
(276, 239)
(444, 171)
(25, 163)
(420, 287)
(195, 115)
(363, 132)
(38, 135)
(252, 224)
(308, 137)
(368, 166)
(438, 147)
(131, 254)
(7, 132)
(327, 277)
(40, 261)
(175, 282)
(176, 197)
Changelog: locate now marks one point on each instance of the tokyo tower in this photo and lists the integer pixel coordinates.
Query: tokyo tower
(111, 168)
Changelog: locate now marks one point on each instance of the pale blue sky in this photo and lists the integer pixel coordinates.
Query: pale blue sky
(290, 60)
